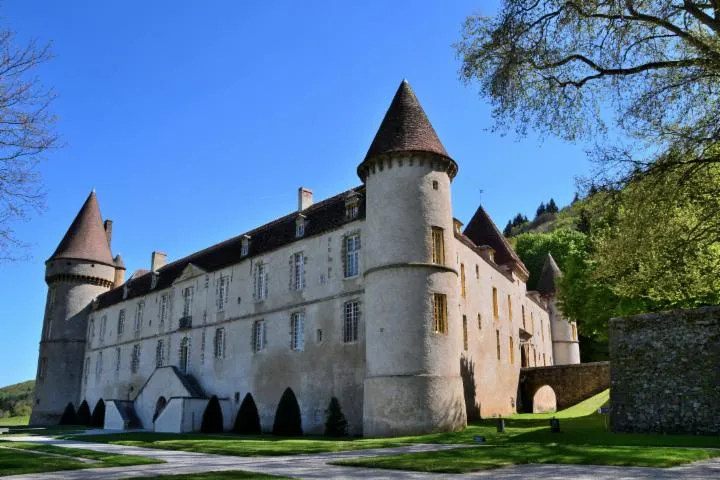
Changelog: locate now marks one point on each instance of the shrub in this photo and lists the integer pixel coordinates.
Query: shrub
(288, 422)
(69, 417)
(98, 415)
(336, 424)
(83, 414)
(248, 419)
(212, 421)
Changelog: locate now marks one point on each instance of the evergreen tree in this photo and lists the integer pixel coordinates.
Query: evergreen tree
(540, 210)
(68, 416)
(98, 415)
(336, 424)
(583, 222)
(552, 206)
(212, 421)
(507, 231)
(288, 422)
(248, 419)
(83, 414)
(576, 198)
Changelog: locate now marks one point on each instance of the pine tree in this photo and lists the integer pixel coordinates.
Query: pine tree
(336, 424)
(248, 419)
(541, 209)
(212, 421)
(98, 415)
(552, 206)
(507, 231)
(288, 422)
(83, 414)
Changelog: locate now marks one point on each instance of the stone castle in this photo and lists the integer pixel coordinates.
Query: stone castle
(376, 296)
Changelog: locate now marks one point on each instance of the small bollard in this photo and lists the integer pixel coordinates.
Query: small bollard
(501, 425)
(554, 425)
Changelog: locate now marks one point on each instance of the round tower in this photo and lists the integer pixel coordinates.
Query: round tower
(566, 347)
(412, 322)
(81, 268)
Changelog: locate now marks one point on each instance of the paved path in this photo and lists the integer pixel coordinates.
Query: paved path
(316, 466)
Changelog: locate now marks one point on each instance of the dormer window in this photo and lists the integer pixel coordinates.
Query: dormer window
(125, 291)
(300, 226)
(352, 206)
(245, 246)
(154, 280)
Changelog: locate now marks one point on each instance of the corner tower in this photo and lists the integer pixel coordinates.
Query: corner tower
(566, 348)
(413, 333)
(81, 268)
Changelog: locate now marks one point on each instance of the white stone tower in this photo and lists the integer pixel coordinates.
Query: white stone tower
(81, 268)
(412, 381)
(566, 347)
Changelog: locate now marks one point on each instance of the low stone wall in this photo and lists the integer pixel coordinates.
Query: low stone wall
(571, 383)
(666, 372)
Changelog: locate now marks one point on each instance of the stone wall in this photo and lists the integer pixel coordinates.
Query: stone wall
(666, 372)
(571, 383)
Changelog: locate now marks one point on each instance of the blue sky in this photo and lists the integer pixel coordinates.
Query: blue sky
(196, 121)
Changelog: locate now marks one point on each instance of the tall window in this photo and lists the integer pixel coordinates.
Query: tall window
(298, 271)
(42, 369)
(121, 323)
(86, 371)
(350, 324)
(438, 246)
(300, 229)
(219, 343)
(497, 343)
(297, 331)
(91, 332)
(465, 333)
(496, 311)
(160, 353)
(259, 339)
(352, 255)
(187, 294)
(542, 330)
(99, 364)
(222, 288)
(135, 360)
(509, 303)
(439, 313)
(103, 327)
(512, 350)
(351, 210)
(477, 272)
(544, 362)
(261, 281)
(574, 331)
(139, 315)
(163, 308)
(117, 359)
(185, 355)
(463, 291)
(479, 322)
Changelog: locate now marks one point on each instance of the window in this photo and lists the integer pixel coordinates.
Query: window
(297, 279)
(544, 362)
(297, 331)
(435, 185)
(51, 298)
(497, 343)
(163, 308)
(477, 272)
(532, 323)
(465, 333)
(42, 370)
(135, 360)
(99, 364)
(86, 371)
(121, 323)
(219, 343)
(261, 281)
(512, 350)
(187, 294)
(574, 331)
(185, 355)
(91, 332)
(245, 246)
(259, 340)
(351, 211)
(352, 255)
(496, 312)
(117, 359)
(350, 324)
(479, 322)
(222, 287)
(439, 313)
(438, 246)
(463, 292)
(139, 315)
(300, 229)
(160, 354)
(509, 305)
(103, 327)
(523, 315)
(319, 335)
(542, 331)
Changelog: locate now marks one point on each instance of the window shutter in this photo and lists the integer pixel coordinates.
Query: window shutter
(255, 281)
(217, 292)
(292, 272)
(357, 242)
(343, 254)
(305, 261)
(266, 286)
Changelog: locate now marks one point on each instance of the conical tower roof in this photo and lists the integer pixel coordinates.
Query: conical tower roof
(406, 128)
(550, 272)
(86, 239)
(483, 231)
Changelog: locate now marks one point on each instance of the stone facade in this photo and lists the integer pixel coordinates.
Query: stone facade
(570, 383)
(351, 297)
(666, 372)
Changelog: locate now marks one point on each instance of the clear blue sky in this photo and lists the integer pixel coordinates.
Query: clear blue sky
(196, 121)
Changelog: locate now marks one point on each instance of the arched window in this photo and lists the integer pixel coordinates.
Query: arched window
(185, 355)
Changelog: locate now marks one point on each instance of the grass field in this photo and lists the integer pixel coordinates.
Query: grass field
(44, 458)
(14, 421)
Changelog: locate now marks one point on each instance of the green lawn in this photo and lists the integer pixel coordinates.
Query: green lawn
(14, 421)
(13, 462)
(586, 407)
(226, 475)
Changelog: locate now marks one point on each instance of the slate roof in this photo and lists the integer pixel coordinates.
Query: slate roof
(86, 239)
(482, 231)
(550, 272)
(321, 217)
(405, 128)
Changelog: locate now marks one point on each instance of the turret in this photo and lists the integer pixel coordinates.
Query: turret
(81, 268)
(413, 328)
(566, 348)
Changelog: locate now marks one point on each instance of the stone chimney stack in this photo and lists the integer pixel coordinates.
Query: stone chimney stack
(305, 198)
(108, 231)
(158, 260)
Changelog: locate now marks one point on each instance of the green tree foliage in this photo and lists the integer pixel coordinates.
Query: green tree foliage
(540, 210)
(83, 414)
(552, 206)
(16, 400)
(583, 222)
(562, 244)
(288, 422)
(248, 419)
(98, 415)
(336, 424)
(212, 420)
(507, 231)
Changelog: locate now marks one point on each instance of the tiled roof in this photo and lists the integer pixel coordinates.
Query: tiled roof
(550, 272)
(482, 231)
(405, 128)
(86, 238)
(321, 217)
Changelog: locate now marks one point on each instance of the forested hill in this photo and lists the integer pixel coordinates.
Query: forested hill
(16, 400)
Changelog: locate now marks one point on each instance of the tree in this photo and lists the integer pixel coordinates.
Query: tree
(248, 419)
(212, 420)
(83, 414)
(26, 134)
(583, 222)
(507, 231)
(336, 424)
(98, 416)
(540, 210)
(288, 422)
(552, 206)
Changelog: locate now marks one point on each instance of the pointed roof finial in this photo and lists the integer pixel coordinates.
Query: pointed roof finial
(550, 273)
(86, 238)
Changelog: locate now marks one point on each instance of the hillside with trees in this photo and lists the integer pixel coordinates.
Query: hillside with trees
(16, 400)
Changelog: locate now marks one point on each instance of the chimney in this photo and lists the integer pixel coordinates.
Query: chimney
(304, 198)
(157, 261)
(108, 231)
(119, 270)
